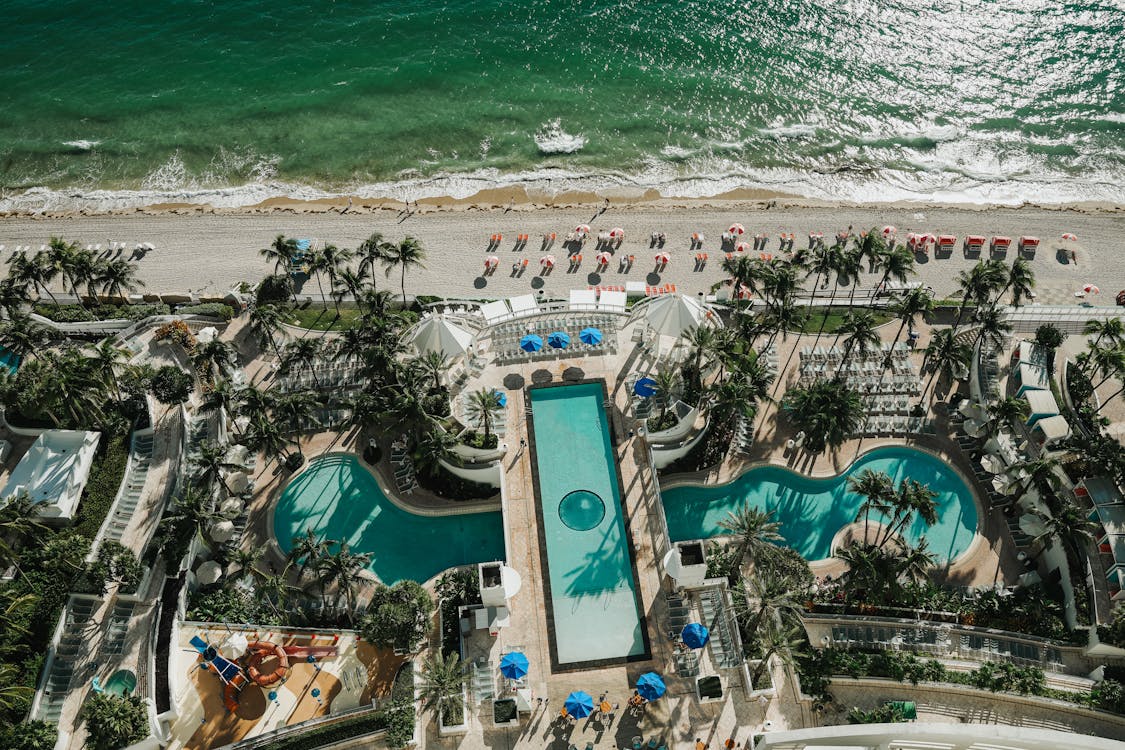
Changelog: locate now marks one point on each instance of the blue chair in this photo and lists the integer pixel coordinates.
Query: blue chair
(652, 744)
(96, 684)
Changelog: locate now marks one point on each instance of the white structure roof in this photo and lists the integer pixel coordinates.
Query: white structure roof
(612, 302)
(583, 299)
(523, 305)
(932, 735)
(1102, 490)
(54, 471)
(673, 314)
(437, 334)
(1042, 404)
(1053, 428)
(494, 312)
(1033, 368)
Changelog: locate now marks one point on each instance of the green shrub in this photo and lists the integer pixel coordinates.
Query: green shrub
(446, 484)
(77, 314)
(31, 735)
(397, 616)
(274, 289)
(210, 309)
(115, 563)
(224, 605)
(101, 487)
(885, 714)
(170, 385)
(114, 722)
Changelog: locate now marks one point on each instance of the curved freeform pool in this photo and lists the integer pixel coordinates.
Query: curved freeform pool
(812, 511)
(339, 499)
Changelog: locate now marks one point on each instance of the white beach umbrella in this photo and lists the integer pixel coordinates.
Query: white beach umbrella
(1091, 289)
(973, 427)
(237, 643)
(548, 261)
(1068, 237)
(737, 229)
(673, 314)
(238, 482)
(889, 231)
(209, 572)
(992, 464)
(222, 531)
(1004, 484)
(742, 247)
(207, 335)
(616, 232)
(231, 507)
(438, 334)
(238, 454)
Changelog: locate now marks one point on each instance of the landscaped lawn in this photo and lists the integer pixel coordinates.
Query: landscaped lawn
(835, 319)
(317, 318)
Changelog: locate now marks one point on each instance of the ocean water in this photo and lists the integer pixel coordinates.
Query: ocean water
(130, 102)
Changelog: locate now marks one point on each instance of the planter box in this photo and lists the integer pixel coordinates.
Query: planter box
(453, 730)
(768, 689)
(705, 688)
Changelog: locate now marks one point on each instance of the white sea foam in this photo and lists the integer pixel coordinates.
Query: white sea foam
(699, 176)
(552, 139)
(82, 145)
(677, 153)
(942, 133)
(797, 130)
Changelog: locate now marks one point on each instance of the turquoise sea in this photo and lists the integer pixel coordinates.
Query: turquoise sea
(230, 102)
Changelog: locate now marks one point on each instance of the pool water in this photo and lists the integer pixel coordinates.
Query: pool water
(811, 511)
(339, 499)
(121, 682)
(9, 360)
(590, 584)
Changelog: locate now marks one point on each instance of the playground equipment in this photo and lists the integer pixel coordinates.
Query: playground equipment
(236, 675)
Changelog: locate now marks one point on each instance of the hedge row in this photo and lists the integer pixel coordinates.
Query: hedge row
(210, 309)
(78, 314)
(101, 487)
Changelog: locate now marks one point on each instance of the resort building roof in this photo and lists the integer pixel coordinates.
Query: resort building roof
(1041, 405)
(54, 471)
(1051, 429)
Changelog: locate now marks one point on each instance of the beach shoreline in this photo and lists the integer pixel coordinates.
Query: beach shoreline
(212, 251)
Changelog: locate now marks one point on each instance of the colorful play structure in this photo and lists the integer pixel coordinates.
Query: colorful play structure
(236, 675)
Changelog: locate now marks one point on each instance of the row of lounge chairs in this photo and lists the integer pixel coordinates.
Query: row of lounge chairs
(405, 477)
(883, 424)
(725, 650)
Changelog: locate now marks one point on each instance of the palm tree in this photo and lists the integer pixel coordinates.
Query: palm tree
(826, 411)
(210, 463)
(433, 446)
(33, 273)
(21, 335)
(897, 264)
(307, 550)
(862, 337)
(371, 251)
(945, 356)
(1070, 527)
(119, 279)
(777, 640)
(13, 693)
(877, 489)
(107, 356)
(1008, 411)
(774, 600)
(1108, 328)
(300, 355)
(993, 327)
(265, 322)
(1109, 362)
(1040, 472)
(912, 500)
(213, 358)
(907, 308)
(433, 364)
(350, 282)
(265, 437)
(833, 262)
(343, 569)
(220, 397)
(406, 254)
(329, 260)
(483, 407)
(1020, 282)
(916, 562)
(754, 532)
(298, 411)
(443, 685)
(667, 386)
(281, 252)
(192, 512)
(978, 284)
(701, 340)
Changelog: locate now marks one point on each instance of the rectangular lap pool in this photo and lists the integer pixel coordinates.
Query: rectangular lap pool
(592, 605)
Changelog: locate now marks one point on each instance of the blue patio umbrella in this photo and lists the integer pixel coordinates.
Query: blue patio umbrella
(650, 686)
(579, 704)
(645, 387)
(695, 635)
(513, 665)
(501, 397)
(531, 343)
(591, 336)
(558, 340)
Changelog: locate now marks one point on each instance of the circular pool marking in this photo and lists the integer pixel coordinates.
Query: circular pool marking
(581, 510)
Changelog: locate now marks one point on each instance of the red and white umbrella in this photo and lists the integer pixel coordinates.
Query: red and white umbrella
(602, 258)
(742, 247)
(889, 231)
(582, 229)
(1091, 289)
(492, 261)
(662, 258)
(616, 232)
(548, 261)
(737, 229)
(1068, 237)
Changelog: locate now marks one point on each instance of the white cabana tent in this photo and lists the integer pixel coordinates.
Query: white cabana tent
(238, 482)
(1032, 372)
(222, 531)
(232, 507)
(495, 312)
(523, 305)
(612, 302)
(1050, 430)
(583, 299)
(1041, 404)
(207, 335)
(437, 334)
(673, 314)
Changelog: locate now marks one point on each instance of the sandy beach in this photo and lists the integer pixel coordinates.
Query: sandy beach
(209, 251)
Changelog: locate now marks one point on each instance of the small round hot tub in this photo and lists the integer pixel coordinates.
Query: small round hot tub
(581, 510)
